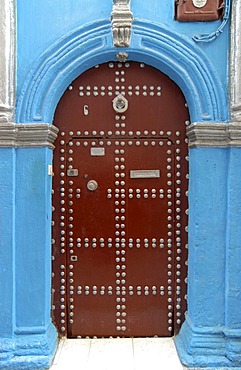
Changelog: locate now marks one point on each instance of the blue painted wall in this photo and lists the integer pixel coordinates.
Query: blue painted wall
(7, 240)
(42, 25)
(207, 213)
(33, 238)
(25, 197)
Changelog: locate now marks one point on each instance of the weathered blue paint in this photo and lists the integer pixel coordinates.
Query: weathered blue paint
(211, 335)
(63, 40)
(33, 239)
(28, 338)
(207, 211)
(202, 341)
(28, 352)
(7, 239)
(233, 256)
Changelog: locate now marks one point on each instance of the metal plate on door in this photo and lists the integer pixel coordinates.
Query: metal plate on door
(72, 172)
(145, 174)
(97, 152)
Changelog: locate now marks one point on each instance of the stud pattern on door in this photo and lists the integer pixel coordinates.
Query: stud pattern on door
(120, 204)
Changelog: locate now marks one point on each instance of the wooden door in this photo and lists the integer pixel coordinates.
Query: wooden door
(120, 204)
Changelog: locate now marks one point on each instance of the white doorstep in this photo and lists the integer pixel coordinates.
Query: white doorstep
(117, 354)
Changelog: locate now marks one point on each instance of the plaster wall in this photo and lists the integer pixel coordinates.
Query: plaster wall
(56, 41)
(44, 25)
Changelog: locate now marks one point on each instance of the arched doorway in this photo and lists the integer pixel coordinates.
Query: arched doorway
(120, 204)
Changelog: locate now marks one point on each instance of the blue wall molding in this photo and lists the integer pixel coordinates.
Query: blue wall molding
(204, 347)
(152, 44)
(28, 352)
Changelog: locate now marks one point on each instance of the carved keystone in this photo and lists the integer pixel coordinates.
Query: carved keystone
(122, 19)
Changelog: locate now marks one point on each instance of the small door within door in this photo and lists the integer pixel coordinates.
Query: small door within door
(119, 238)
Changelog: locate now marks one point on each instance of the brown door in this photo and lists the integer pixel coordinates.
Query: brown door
(120, 201)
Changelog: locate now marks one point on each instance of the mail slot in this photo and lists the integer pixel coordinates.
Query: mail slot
(145, 174)
(199, 10)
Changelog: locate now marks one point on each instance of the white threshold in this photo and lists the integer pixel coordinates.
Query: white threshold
(117, 354)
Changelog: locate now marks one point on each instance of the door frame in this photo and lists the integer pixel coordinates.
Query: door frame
(171, 54)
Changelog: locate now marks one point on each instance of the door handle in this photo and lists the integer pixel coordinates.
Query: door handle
(92, 185)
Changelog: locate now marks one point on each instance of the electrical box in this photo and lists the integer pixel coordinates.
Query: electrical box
(198, 10)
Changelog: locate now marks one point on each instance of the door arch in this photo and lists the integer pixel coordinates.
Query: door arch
(120, 204)
(156, 45)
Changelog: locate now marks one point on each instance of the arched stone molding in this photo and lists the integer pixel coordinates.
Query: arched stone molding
(235, 62)
(7, 58)
(177, 56)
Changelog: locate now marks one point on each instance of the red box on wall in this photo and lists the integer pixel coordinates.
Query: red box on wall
(198, 10)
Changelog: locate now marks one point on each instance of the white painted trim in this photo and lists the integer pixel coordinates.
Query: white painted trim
(7, 58)
(235, 62)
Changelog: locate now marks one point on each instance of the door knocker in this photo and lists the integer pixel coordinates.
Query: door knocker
(120, 104)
